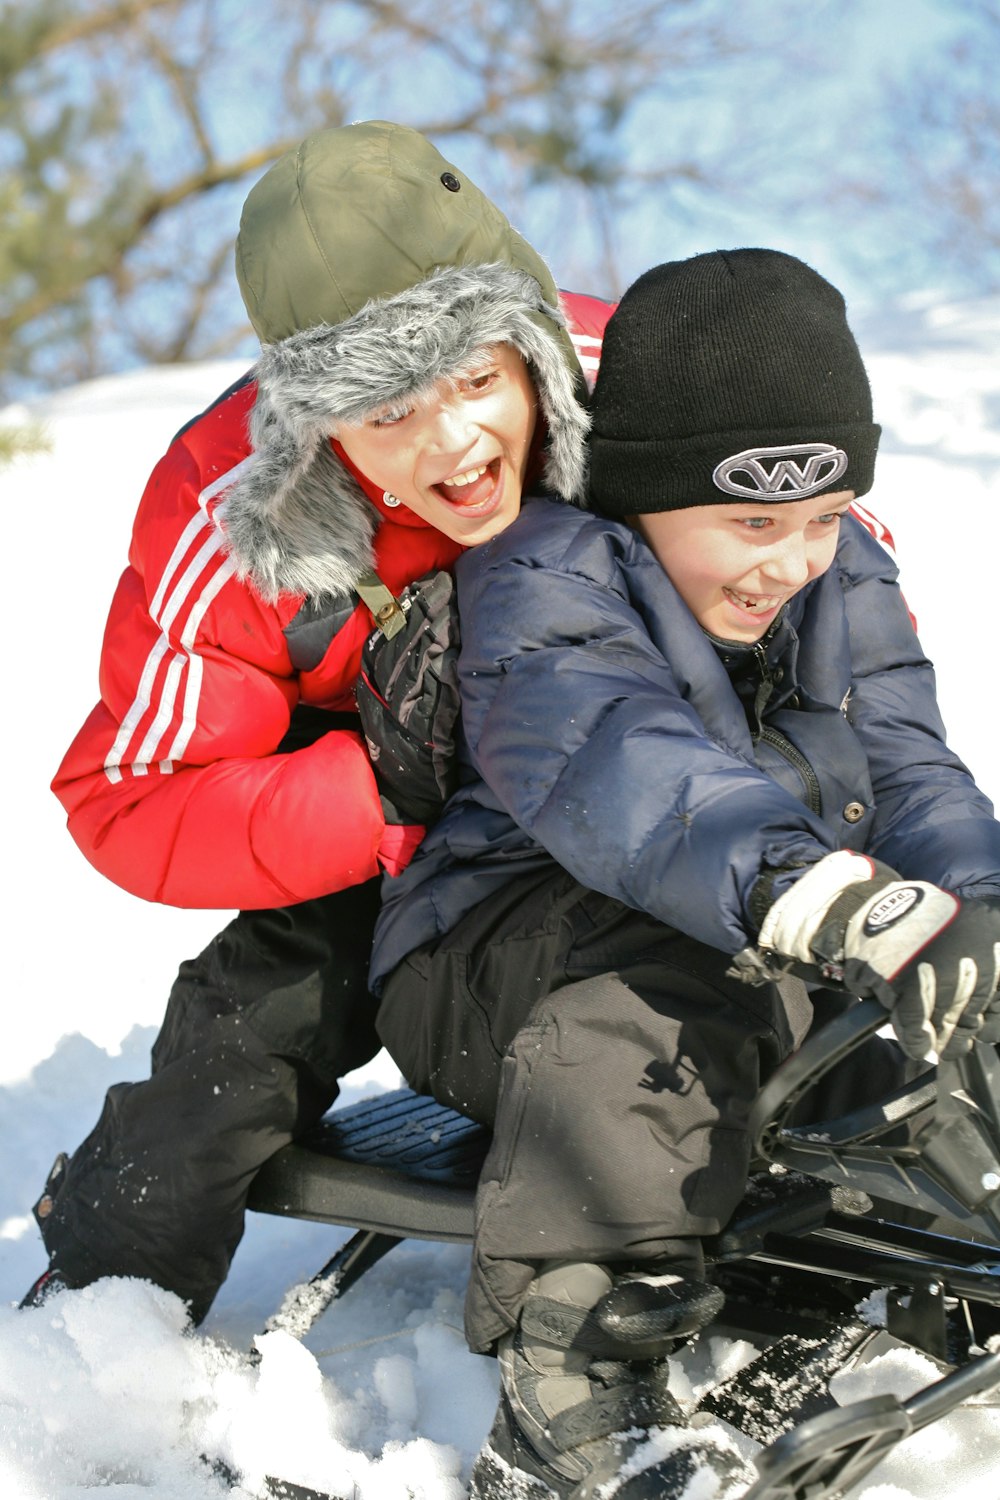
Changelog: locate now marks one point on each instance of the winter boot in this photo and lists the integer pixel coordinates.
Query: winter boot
(583, 1384)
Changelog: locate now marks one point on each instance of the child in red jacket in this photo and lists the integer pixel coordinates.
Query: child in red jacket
(223, 766)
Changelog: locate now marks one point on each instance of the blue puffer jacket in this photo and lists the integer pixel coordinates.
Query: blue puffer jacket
(606, 732)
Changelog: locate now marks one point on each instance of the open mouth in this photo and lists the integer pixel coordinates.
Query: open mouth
(474, 488)
(756, 604)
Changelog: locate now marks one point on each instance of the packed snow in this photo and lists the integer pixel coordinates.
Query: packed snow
(108, 1387)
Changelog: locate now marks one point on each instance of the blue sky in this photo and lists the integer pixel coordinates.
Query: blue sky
(811, 119)
(793, 139)
(802, 116)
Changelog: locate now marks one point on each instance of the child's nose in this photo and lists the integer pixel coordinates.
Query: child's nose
(454, 425)
(788, 563)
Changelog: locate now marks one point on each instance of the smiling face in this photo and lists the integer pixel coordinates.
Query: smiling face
(458, 457)
(735, 566)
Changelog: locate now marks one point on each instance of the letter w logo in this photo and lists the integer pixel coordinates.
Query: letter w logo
(788, 473)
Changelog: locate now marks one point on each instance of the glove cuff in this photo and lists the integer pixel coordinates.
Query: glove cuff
(762, 896)
(398, 845)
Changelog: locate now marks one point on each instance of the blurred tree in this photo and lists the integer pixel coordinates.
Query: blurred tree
(131, 130)
(943, 131)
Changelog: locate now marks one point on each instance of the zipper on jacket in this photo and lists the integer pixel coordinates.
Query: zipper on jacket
(776, 739)
(766, 686)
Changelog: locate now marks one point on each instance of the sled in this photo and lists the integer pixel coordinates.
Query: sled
(901, 1197)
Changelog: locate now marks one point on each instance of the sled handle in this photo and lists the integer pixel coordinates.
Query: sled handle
(933, 1144)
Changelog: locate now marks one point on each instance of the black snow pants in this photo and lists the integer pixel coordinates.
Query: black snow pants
(616, 1063)
(258, 1029)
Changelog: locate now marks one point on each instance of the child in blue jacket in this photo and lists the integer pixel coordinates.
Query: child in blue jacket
(702, 741)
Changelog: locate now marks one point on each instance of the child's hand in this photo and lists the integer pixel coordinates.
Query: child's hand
(932, 959)
(407, 697)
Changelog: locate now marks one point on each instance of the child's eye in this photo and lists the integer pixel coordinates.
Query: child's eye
(756, 523)
(389, 418)
(829, 517)
(482, 381)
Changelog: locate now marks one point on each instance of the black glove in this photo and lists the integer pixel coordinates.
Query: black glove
(407, 697)
(932, 959)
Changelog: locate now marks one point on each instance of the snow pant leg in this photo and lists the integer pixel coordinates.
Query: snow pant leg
(622, 1095)
(621, 1125)
(257, 1030)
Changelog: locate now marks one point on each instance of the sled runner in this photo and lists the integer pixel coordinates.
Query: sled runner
(900, 1197)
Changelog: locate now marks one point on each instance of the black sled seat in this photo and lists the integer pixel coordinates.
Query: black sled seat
(403, 1165)
(399, 1164)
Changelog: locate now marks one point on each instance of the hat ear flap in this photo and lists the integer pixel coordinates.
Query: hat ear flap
(295, 520)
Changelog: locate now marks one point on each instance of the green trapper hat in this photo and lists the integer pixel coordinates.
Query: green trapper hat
(371, 268)
(365, 211)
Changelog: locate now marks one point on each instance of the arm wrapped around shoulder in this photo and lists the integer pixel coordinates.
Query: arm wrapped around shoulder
(932, 959)
(408, 699)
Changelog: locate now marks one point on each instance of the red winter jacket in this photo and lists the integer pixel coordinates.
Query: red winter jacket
(172, 786)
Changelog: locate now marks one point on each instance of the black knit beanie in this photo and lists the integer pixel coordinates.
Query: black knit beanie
(730, 376)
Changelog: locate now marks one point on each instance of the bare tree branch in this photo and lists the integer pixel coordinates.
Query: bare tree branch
(97, 23)
(130, 131)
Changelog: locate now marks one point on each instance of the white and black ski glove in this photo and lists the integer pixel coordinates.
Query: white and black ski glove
(408, 700)
(932, 959)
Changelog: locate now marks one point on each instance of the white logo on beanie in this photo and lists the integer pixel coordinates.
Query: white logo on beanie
(789, 473)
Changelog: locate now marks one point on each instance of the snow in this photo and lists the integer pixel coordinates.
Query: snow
(106, 1387)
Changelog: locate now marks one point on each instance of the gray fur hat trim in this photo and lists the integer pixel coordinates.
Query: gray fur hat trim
(296, 519)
